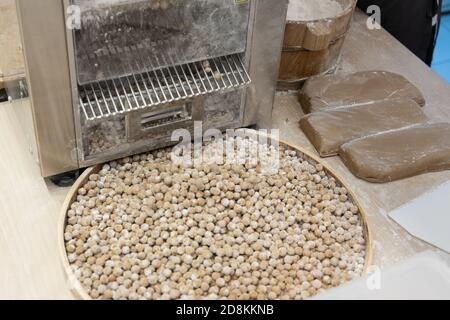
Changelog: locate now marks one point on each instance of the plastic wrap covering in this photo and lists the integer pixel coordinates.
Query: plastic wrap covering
(300, 64)
(399, 154)
(339, 90)
(119, 37)
(328, 130)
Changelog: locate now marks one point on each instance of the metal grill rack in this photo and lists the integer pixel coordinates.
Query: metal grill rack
(106, 98)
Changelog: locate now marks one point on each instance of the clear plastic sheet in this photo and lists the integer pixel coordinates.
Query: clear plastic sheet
(398, 154)
(328, 130)
(300, 64)
(330, 91)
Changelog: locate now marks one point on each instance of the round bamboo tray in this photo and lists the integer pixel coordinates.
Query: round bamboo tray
(76, 287)
(317, 35)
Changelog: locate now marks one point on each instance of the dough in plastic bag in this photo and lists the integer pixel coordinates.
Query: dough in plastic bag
(328, 130)
(399, 154)
(338, 90)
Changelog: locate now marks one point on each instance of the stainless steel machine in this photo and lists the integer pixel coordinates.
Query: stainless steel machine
(112, 78)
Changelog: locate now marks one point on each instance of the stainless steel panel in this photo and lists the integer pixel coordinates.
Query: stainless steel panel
(74, 84)
(102, 136)
(223, 110)
(155, 140)
(43, 32)
(265, 53)
(146, 124)
(173, 32)
(122, 135)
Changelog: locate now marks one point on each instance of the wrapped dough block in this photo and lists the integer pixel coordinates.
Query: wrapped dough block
(331, 91)
(399, 154)
(328, 130)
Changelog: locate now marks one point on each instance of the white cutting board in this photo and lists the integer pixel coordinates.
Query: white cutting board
(424, 276)
(428, 217)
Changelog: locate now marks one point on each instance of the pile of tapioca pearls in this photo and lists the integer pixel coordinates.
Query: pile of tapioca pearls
(145, 228)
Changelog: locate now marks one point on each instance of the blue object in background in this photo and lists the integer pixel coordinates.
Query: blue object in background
(441, 59)
(446, 6)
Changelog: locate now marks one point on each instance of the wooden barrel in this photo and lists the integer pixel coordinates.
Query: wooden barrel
(297, 65)
(312, 48)
(318, 35)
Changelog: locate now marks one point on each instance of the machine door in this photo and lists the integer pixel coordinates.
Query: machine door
(123, 37)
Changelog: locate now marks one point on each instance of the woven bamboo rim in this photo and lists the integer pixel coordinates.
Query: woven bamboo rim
(78, 291)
